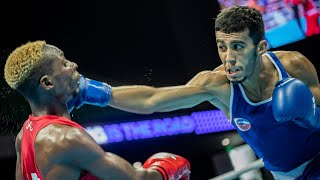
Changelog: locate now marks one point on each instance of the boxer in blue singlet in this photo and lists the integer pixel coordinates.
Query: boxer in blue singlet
(271, 98)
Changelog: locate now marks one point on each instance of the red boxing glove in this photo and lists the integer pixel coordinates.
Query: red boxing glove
(171, 166)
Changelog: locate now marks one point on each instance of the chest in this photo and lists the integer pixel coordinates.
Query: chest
(263, 90)
(258, 97)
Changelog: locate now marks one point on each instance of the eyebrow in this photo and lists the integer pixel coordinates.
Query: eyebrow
(61, 53)
(232, 42)
(238, 41)
(219, 41)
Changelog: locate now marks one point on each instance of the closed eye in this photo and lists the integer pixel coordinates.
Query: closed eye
(66, 63)
(222, 47)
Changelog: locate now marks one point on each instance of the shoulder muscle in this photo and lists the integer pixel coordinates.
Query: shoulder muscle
(18, 141)
(209, 79)
(79, 147)
(298, 66)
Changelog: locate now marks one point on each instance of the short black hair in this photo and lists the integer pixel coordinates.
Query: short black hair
(31, 83)
(240, 18)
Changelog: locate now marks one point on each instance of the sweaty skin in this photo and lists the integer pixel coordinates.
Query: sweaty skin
(242, 62)
(62, 151)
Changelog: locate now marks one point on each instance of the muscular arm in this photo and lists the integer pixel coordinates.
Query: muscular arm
(146, 99)
(18, 151)
(298, 66)
(81, 151)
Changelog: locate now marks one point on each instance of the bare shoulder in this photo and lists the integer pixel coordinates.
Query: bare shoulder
(210, 78)
(298, 66)
(288, 55)
(18, 140)
(19, 135)
(292, 59)
(61, 140)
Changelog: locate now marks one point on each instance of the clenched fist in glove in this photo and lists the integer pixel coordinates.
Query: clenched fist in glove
(171, 166)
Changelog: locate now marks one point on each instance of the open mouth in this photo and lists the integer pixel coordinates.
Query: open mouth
(78, 78)
(233, 71)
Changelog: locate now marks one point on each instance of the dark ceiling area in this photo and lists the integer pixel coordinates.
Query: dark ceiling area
(122, 42)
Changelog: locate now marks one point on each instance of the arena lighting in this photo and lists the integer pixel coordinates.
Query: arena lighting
(202, 122)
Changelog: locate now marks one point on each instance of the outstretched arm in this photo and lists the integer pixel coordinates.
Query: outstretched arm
(205, 86)
(146, 99)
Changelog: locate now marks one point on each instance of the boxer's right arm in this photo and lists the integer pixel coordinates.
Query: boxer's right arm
(146, 99)
(140, 98)
(82, 152)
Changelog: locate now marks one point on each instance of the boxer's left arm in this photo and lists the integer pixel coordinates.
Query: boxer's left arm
(298, 66)
(295, 99)
(77, 149)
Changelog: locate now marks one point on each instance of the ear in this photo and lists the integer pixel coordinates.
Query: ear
(46, 83)
(262, 47)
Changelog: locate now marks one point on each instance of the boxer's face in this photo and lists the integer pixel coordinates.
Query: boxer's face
(65, 77)
(237, 53)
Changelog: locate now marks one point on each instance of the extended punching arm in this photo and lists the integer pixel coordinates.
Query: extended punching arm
(91, 92)
(142, 99)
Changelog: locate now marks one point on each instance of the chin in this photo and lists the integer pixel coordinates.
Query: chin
(237, 81)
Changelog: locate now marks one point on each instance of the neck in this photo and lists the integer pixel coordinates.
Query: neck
(49, 108)
(255, 83)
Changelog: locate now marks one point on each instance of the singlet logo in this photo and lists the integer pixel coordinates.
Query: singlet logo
(242, 124)
(34, 176)
(29, 126)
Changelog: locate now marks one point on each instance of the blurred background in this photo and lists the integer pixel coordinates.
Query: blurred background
(156, 43)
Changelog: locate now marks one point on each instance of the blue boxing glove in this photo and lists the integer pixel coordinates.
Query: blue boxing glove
(91, 92)
(292, 100)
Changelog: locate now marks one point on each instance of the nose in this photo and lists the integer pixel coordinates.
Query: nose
(230, 57)
(74, 65)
